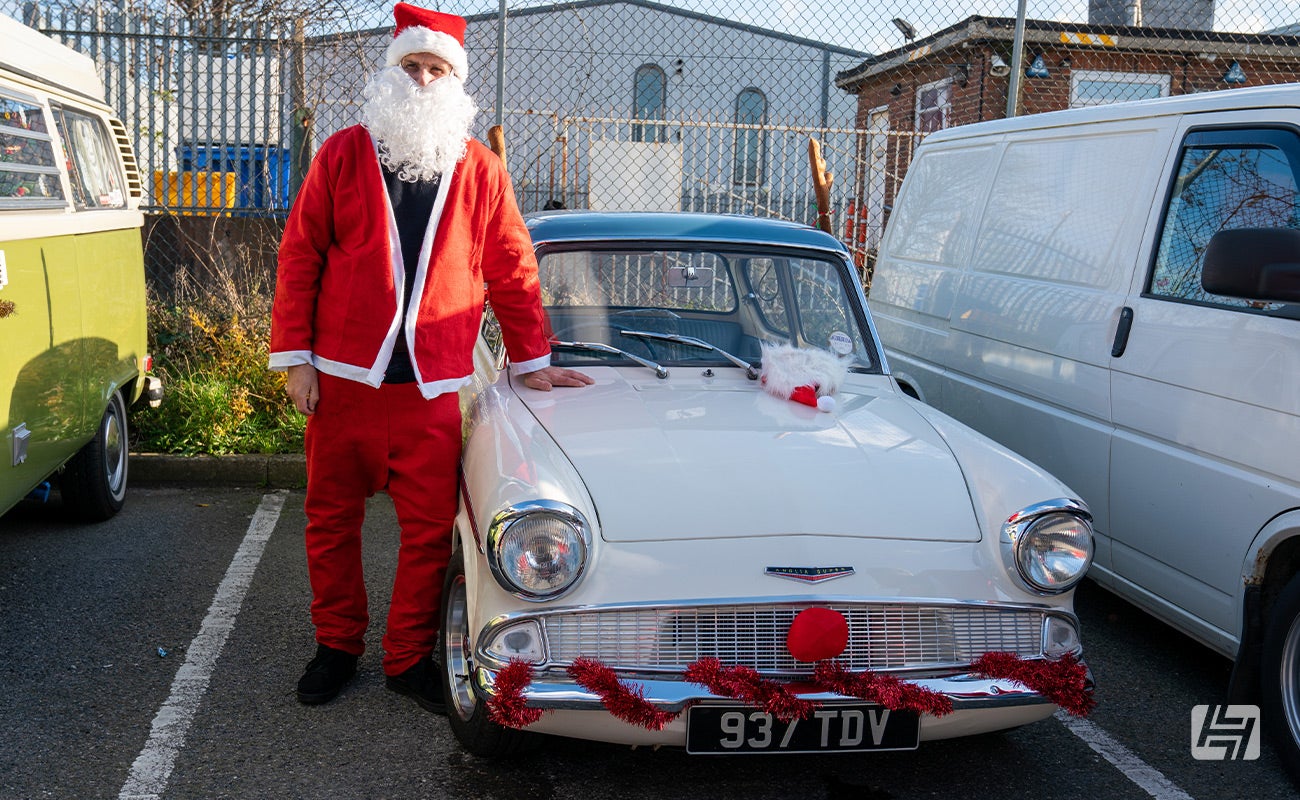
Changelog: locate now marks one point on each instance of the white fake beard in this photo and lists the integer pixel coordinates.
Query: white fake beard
(422, 130)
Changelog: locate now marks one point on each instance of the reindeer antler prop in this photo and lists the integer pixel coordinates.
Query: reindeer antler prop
(497, 141)
(822, 181)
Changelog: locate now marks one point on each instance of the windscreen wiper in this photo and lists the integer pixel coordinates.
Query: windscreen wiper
(751, 371)
(599, 347)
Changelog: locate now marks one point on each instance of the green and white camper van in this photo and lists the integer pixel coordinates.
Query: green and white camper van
(72, 294)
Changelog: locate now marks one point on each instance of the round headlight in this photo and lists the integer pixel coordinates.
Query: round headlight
(538, 550)
(1053, 551)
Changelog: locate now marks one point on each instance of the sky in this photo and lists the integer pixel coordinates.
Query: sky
(866, 26)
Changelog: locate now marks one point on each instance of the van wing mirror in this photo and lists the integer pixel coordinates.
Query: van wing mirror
(1254, 264)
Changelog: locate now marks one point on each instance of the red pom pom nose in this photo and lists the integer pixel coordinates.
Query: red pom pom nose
(817, 634)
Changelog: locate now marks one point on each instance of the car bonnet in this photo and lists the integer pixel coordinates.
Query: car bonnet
(691, 459)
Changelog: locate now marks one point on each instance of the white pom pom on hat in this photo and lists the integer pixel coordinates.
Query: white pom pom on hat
(420, 30)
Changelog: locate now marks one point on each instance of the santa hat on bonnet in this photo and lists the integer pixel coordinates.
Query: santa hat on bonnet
(420, 30)
(807, 375)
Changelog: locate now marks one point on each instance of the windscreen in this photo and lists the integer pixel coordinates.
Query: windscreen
(731, 299)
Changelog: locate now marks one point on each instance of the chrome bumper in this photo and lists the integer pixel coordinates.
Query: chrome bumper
(966, 692)
(153, 391)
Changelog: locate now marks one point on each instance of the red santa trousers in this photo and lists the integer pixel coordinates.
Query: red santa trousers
(362, 440)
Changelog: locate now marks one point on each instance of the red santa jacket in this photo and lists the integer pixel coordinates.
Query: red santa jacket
(341, 270)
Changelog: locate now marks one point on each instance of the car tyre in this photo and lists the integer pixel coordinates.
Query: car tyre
(466, 711)
(1280, 677)
(94, 480)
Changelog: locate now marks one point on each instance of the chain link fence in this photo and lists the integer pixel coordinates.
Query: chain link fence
(693, 105)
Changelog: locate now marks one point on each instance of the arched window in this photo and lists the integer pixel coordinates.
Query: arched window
(751, 144)
(649, 99)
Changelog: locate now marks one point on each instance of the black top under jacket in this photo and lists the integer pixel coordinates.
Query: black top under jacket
(412, 206)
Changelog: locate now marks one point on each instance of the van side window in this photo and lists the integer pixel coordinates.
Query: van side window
(92, 160)
(29, 175)
(935, 220)
(1225, 180)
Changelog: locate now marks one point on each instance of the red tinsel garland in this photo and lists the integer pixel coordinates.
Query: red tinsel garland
(509, 707)
(1064, 682)
(744, 683)
(622, 700)
(891, 692)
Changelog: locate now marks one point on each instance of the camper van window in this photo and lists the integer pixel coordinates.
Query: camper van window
(1223, 185)
(29, 175)
(22, 114)
(92, 165)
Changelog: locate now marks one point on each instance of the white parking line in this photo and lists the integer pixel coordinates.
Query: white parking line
(1150, 779)
(154, 765)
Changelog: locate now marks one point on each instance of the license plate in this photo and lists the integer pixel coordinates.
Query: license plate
(831, 728)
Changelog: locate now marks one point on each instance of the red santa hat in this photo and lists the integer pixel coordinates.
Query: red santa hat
(420, 30)
(805, 375)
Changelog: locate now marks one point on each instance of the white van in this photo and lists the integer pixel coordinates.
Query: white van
(72, 290)
(1114, 293)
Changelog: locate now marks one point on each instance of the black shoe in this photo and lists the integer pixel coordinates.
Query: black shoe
(422, 682)
(326, 675)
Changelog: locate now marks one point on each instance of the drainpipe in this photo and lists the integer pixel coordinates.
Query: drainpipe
(826, 88)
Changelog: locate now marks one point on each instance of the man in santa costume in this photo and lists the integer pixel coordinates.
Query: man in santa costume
(399, 224)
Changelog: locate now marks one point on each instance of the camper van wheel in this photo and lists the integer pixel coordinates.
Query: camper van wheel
(94, 481)
(1281, 677)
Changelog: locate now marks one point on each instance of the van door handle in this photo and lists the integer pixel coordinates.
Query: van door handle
(1121, 332)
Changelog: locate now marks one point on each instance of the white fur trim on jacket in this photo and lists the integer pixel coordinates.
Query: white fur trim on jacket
(418, 39)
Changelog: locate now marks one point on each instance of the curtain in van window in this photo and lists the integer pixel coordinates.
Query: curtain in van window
(28, 171)
(92, 163)
(1220, 188)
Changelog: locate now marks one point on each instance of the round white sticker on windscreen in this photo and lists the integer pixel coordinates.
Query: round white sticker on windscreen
(841, 343)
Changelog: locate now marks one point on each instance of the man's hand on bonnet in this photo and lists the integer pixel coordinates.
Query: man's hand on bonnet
(547, 378)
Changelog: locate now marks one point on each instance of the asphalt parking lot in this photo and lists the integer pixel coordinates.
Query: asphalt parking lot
(155, 656)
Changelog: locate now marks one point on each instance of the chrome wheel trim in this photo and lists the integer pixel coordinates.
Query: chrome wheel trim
(458, 656)
(1289, 679)
(114, 438)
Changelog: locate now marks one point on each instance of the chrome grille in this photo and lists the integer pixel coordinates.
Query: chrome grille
(881, 636)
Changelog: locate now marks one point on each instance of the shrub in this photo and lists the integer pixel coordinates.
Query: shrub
(210, 347)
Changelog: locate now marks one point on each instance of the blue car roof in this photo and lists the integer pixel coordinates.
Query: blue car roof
(608, 226)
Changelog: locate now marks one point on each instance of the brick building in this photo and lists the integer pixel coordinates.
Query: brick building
(961, 74)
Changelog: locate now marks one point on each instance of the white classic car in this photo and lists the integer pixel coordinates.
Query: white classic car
(680, 555)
